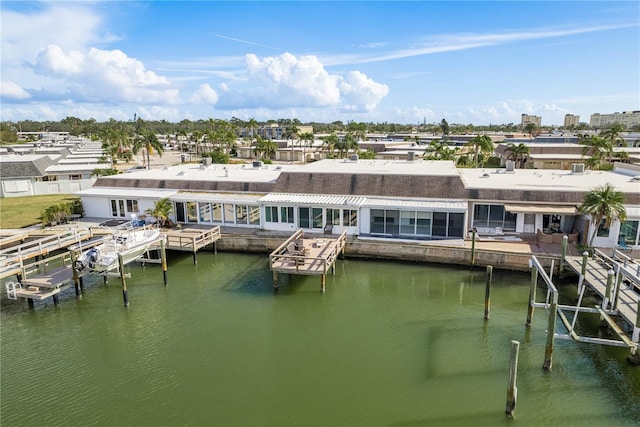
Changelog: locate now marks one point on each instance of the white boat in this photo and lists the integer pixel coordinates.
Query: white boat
(131, 240)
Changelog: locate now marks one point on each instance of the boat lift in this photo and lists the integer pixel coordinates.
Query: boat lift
(555, 310)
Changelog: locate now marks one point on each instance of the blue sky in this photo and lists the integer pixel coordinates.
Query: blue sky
(373, 61)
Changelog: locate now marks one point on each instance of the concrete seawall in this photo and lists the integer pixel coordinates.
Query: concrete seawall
(402, 251)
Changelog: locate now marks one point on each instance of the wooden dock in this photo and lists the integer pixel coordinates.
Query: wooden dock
(313, 256)
(190, 239)
(37, 245)
(621, 291)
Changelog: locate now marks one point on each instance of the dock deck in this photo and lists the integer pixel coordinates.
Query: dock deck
(307, 256)
(13, 257)
(596, 276)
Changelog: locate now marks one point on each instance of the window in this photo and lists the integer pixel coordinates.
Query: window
(205, 212)
(603, 229)
(317, 217)
(254, 215)
(439, 224)
(229, 217)
(493, 216)
(423, 223)
(407, 222)
(132, 206)
(180, 217)
(629, 232)
(385, 221)
(75, 177)
(377, 221)
(456, 225)
(271, 213)
(286, 214)
(333, 216)
(349, 218)
(304, 218)
(216, 210)
(241, 214)
(192, 212)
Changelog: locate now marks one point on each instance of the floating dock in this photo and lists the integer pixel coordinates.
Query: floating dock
(312, 256)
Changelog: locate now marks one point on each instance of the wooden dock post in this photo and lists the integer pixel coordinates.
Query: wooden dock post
(585, 256)
(163, 255)
(607, 292)
(30, 303)
(195, 259)
(563, 254)
(125, 297)
(487, 292)
(323, 279)
(473, 247)
(635, 337)
(551, 330)
(76, 277)
(532, 293)
(275, 280)
(512, 389)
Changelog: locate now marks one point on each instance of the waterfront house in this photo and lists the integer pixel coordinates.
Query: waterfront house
(402, 199)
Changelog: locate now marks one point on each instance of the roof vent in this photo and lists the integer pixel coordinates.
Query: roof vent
(577, 168)
(485, 175)
(511, 166)
(635, 178)
(181, 173)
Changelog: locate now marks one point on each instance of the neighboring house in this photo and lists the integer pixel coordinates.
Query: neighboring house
(19, 174)
(52, 170)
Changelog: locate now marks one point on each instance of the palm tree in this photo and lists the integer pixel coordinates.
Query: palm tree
(265, 148)
(196, 136)
(481, 144)
(439, 150)
(292, 132)
(612, 135)
(531, 128)
(596, 147)
(149, 142)
(161, 210)
(604, 204)
(252, 124)
(307, 141)
(517, 152)
(329, 142)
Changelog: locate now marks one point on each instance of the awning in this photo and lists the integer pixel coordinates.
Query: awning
(543, 209)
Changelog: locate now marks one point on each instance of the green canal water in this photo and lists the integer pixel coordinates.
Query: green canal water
(388, 344)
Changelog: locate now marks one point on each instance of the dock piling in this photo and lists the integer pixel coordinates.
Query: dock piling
(563, 254)
(607, 292)
(532, 293)
(163, 255)
(125, 297)
(551, 329)
(76, 277)
(473, 247)
(487, 291)
(512, 389)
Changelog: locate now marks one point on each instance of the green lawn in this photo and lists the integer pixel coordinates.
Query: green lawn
(18, 212)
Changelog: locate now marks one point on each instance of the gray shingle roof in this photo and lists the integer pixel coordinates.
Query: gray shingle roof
(15, 167)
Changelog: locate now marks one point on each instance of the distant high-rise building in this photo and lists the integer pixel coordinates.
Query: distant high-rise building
(537, 120)
(571, 120)
(627, 119)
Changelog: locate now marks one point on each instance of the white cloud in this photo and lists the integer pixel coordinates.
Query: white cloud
(11, 90)
(287, 81)
(360, 92)
(104, 76)
(204, 95)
